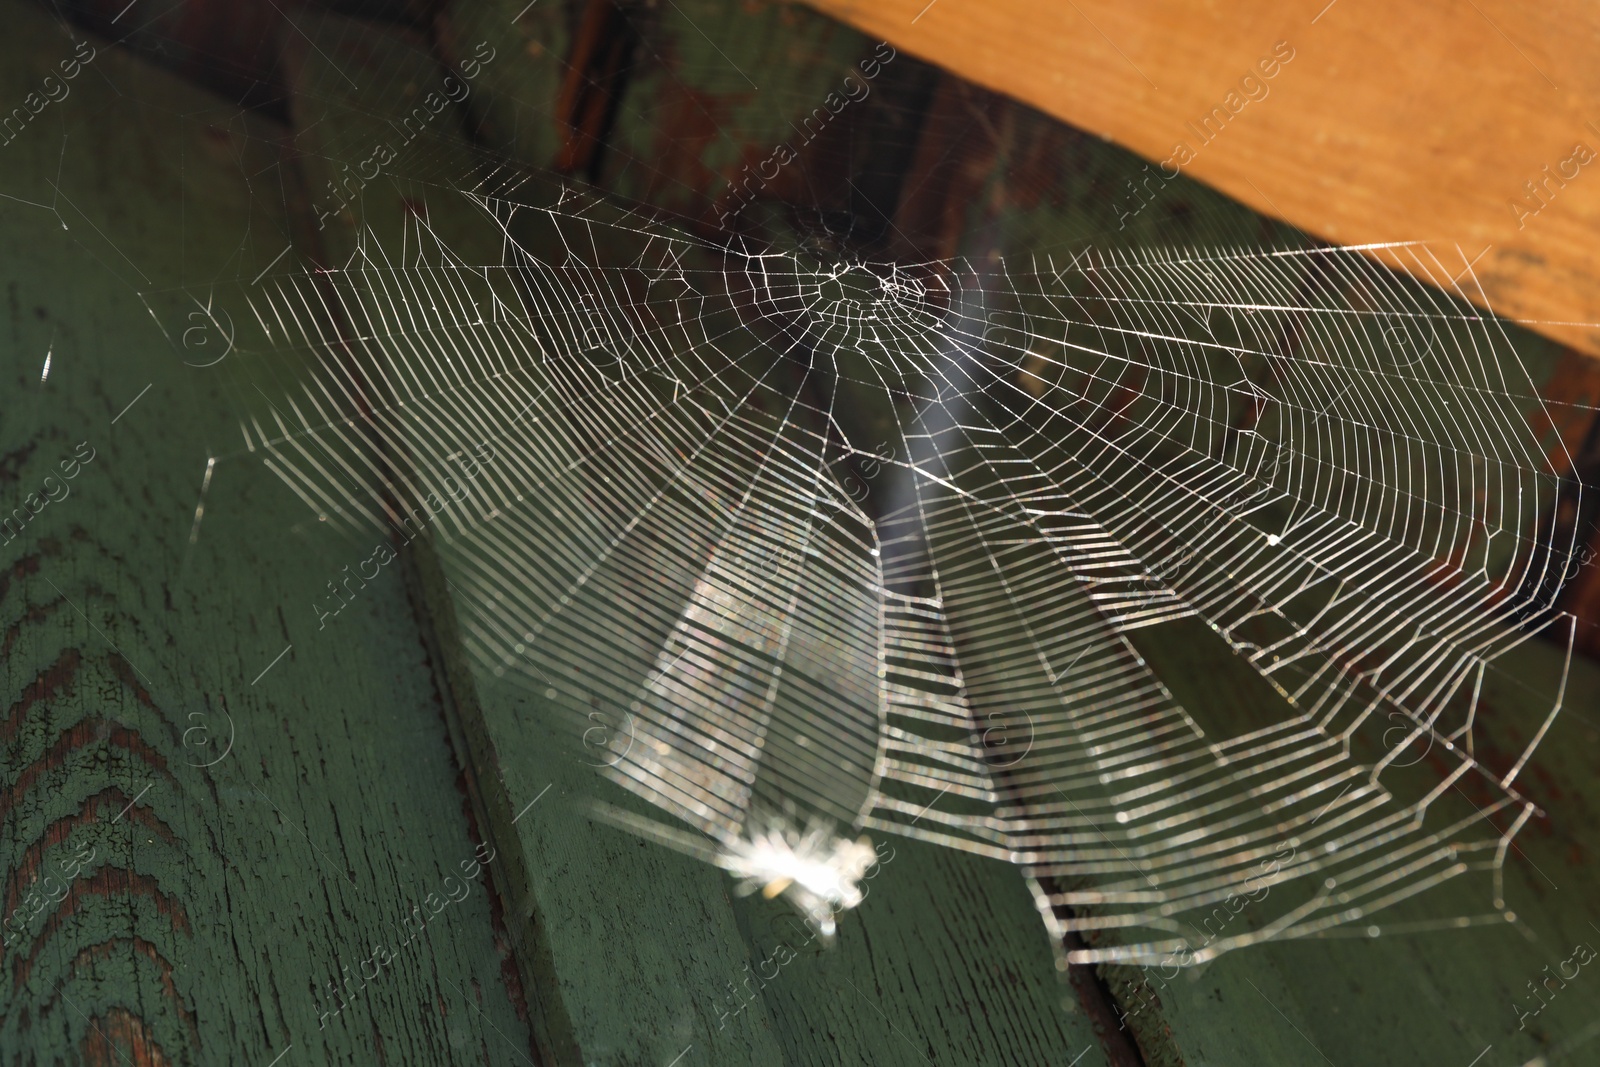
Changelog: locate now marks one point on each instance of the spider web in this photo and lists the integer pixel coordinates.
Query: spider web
(671, 528)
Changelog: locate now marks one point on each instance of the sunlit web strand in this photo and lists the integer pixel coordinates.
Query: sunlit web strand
(669, 538)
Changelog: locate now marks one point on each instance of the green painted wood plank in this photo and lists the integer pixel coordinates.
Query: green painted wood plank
(514, 106)
(714, 89)
(945, 962)
(140, 639)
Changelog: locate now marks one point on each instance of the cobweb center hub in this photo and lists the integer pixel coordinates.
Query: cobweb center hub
(873, 323)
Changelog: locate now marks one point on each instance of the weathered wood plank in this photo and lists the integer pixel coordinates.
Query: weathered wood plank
(144, 639)
(515, 104)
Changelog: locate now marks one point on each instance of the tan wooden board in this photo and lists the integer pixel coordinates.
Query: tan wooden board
(1391, 122)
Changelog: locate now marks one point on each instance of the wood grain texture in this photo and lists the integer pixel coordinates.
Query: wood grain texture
(143, 640)
(1391, 123)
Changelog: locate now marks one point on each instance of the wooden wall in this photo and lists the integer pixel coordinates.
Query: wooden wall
(370, 761)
